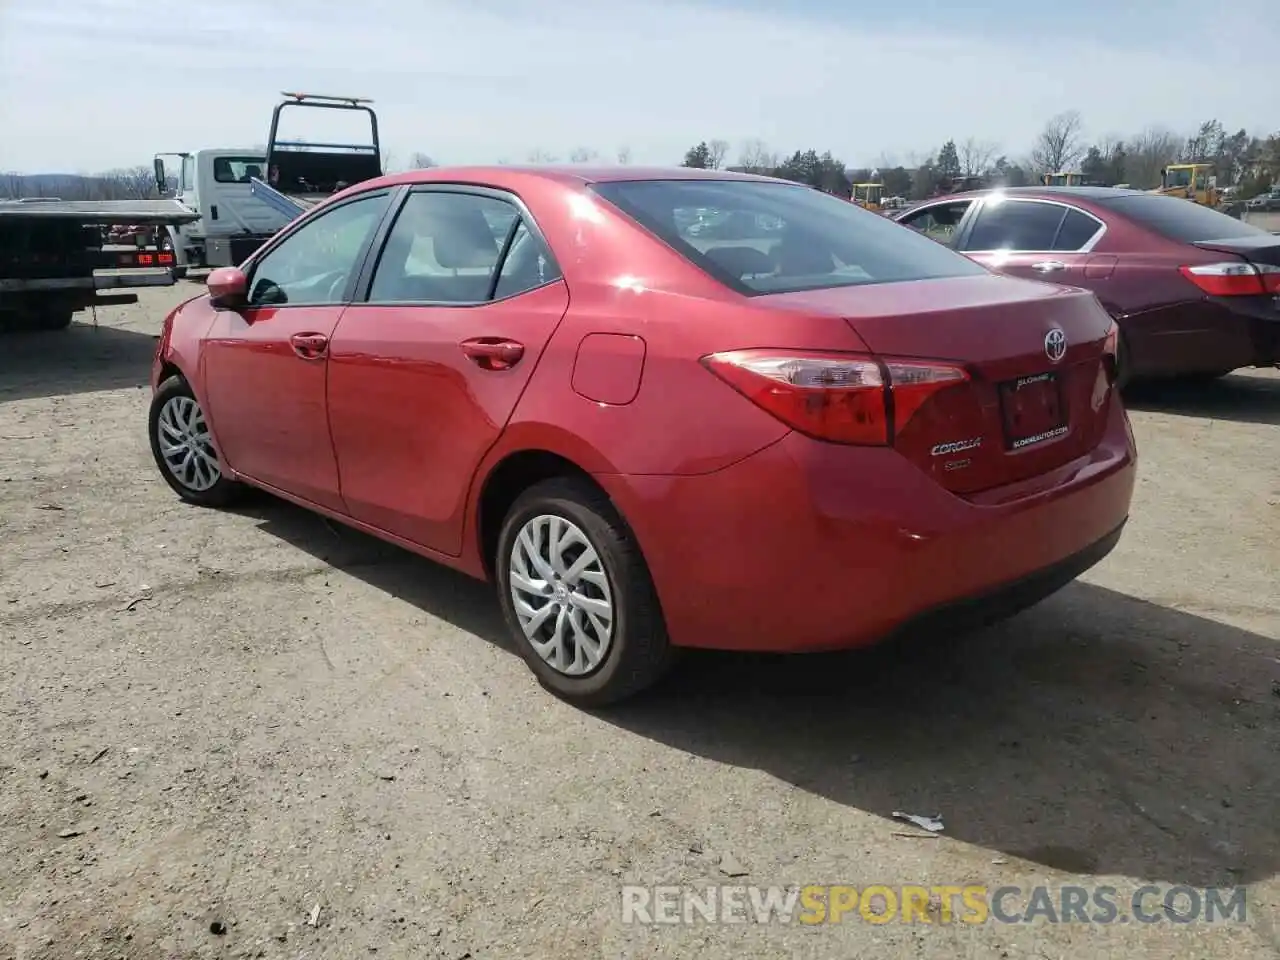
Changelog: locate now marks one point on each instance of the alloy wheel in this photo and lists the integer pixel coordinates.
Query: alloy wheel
(561, 595)
(185, 445)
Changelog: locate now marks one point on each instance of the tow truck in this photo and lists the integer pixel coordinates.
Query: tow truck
(216, 182)
(300, 174)
(55, 258)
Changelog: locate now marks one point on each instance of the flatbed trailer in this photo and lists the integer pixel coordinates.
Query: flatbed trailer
(300, 173)
(54, 258)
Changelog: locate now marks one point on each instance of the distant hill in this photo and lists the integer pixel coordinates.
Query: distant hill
(134, 184)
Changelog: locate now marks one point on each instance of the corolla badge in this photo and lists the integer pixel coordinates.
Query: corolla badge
(1055, 344)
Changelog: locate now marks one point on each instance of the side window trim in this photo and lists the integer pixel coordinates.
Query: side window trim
(364, 283)
(1067, 208)
(502, 256)
(283, 237)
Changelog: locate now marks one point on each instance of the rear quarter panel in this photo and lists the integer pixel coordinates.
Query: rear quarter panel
(1168, 324)
(683, 420)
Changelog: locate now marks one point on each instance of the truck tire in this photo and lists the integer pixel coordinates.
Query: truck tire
(54, 318)
(39, 317)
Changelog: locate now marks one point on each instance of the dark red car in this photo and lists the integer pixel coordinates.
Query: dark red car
(807, 436)
(1195, 293)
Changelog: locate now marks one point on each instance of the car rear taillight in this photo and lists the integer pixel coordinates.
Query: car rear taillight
(1234, 279)
(1111, 353)
(841, 398)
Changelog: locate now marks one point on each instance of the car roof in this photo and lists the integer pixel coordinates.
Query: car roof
(566, 173)
(1084, 193)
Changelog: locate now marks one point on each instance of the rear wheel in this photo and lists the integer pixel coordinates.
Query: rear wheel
(183, 448)
(577, 595)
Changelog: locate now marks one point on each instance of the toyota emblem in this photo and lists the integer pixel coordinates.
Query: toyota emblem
(1055, 344)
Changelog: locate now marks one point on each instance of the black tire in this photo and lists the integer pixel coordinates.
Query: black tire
(638, 652)
(54, 318)
(223, 491)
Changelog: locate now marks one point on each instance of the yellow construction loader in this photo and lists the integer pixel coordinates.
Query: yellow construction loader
(1063, 179)
(1190, 181)
(870, 196)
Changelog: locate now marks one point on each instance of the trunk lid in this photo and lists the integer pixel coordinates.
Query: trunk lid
(1260, 249)
(1038, 391)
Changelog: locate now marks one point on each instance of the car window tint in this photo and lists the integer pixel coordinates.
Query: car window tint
(313, 264)
(1015, 225)
(1180, 220)
(443, 248)
(761, 237)
(1076, 230)
(939, 222)
(527, 265)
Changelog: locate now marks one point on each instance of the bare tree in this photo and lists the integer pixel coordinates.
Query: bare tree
(132, 183)
(538, 155)
(976, 156)
(1059, 144)
(388, 162)
(11, 186)
(583, 155)
(624, 155)
(756, 157)
(718, 149)
(1148, 153)
(420, 161)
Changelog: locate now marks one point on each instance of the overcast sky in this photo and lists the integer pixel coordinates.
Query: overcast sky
(92, 84)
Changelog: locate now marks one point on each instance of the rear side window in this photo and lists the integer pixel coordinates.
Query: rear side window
(1015, 225)
(761, 237)
(1076, 230)
(1181, 220)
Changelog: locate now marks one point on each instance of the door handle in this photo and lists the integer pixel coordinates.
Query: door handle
(1048, 266)
(309, 346)
(493, 353)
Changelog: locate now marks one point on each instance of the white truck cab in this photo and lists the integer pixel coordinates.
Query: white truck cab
(233, 222)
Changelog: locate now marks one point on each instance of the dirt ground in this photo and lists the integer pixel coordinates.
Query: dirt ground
(217, 727)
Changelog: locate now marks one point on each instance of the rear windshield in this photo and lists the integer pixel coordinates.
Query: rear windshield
(760, 237)
(1181, 220)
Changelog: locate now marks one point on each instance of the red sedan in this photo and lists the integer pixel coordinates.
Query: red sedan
(810, 435)
(1196, 293)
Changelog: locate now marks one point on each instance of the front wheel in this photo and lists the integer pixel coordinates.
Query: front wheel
(577, 595)
(183, 448)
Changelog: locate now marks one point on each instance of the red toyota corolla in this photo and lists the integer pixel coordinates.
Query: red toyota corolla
(821, 432)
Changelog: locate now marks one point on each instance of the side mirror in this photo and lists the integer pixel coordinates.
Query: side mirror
(159, 168)
(228, 288)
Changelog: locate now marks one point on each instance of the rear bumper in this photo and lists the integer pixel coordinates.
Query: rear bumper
(1204, 336)
(811, 546)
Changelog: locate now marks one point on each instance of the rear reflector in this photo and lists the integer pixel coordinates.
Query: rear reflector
(841, 398)
(1234, 279)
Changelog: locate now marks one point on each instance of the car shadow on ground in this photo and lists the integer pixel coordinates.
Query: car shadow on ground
(1094, 733)
(1239, 397)
(81, 359)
